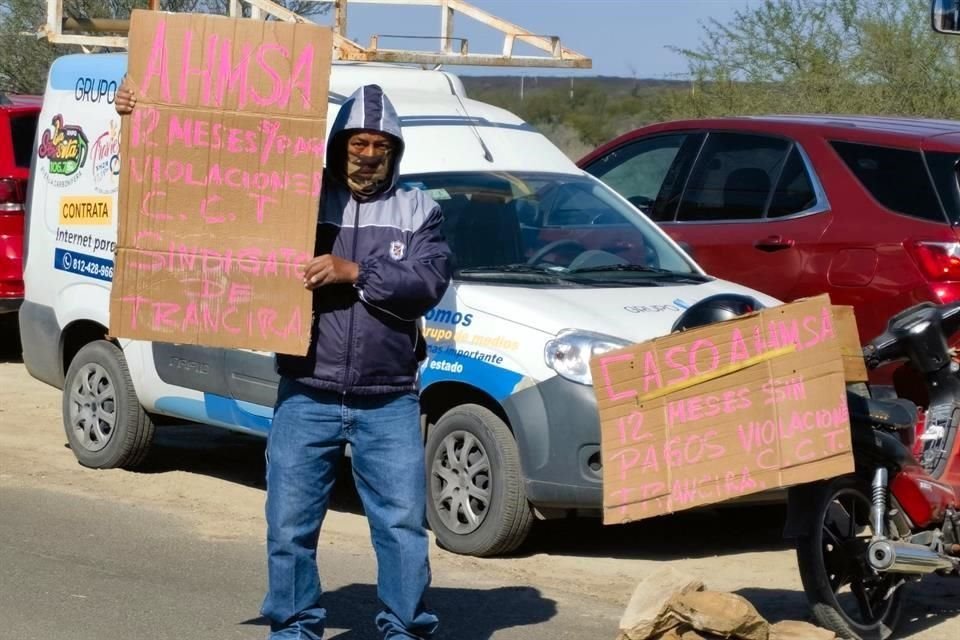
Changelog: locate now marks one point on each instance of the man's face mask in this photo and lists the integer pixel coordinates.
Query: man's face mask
(369, 159)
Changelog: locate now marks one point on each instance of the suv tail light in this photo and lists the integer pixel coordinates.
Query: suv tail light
(940, 261)
(940, 264)
(12, 195)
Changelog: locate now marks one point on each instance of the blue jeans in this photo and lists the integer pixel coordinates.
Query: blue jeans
(304, 446)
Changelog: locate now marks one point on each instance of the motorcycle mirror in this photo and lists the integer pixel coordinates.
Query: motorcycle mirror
(945, 16)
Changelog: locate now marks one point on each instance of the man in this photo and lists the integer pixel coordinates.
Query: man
(382, 263)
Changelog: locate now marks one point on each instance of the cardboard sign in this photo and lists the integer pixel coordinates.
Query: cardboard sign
(726, 410)
(221, 169)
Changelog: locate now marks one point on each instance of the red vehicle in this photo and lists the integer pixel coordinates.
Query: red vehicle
(864, 208)
(18, 126)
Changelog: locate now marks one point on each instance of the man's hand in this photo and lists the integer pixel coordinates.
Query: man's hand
(126, 99)
(328, 269)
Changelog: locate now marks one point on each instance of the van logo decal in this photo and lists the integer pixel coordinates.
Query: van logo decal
(676, 306)
(397, 250)
(95, 90)
(652, 308)
(105, 159)
(65, 148)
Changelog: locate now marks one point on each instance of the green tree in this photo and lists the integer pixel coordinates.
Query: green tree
(779, 56)
(24, 60)
(822, 56)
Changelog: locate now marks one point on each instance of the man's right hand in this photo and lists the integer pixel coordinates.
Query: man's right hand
(126, 99)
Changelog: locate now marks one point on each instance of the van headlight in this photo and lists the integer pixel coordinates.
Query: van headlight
(570, 352)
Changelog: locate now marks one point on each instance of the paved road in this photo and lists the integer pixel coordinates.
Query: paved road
(176, 550)
(86, 569)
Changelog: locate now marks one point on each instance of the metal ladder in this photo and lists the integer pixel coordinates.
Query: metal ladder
(90, 33)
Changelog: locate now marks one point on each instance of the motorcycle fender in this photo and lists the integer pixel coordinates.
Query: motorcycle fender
(802, 503)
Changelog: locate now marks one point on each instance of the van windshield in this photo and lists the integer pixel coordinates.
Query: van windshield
(544, 225)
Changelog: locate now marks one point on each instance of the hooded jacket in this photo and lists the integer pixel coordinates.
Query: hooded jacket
(366, 338)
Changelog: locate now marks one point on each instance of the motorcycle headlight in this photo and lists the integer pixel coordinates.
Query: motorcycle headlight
(570, 352)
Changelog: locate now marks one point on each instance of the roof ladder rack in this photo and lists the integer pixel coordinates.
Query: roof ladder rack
(111, 34)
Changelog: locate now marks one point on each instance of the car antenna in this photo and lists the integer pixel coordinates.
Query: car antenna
(473, 127)
(476, 131)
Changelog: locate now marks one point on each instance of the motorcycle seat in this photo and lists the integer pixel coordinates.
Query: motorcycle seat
(895, 413)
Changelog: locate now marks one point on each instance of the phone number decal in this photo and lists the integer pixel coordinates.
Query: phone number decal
(84, 265)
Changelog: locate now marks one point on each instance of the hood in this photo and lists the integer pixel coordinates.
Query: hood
(634, 314)
(368, 108)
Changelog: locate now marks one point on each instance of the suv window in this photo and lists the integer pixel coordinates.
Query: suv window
(734, 177)
(637, 170)
(896, 178)
(943, 169)
(794, 192)
(23, 128)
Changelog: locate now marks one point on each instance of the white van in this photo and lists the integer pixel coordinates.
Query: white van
(553, 266)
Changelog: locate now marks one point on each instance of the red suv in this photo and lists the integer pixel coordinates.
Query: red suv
(18, 126)
(864, 208)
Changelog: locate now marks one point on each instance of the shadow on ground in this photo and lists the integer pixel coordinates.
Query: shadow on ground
(930, 603)
(465, 614)
(227, 455)
(691, 534)
(239, 458)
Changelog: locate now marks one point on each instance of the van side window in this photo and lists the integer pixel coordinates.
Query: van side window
(733, 178)
(896, 178)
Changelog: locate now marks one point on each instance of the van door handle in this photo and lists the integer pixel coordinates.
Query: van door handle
(773, 243)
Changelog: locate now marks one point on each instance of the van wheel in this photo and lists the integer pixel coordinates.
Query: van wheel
(105, 424)
(475, 499)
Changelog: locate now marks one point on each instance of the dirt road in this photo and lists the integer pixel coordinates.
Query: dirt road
(210, 482)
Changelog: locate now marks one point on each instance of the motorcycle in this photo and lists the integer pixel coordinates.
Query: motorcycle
(860, 538)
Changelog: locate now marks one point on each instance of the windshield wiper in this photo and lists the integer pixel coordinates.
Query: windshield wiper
(692, 277)
(553, 273)
(528, 273)
(514, 268)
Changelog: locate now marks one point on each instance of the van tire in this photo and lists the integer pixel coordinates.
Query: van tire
(124, 444)
(507, 518)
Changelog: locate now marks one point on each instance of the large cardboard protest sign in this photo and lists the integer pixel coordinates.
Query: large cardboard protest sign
(221, 169)
(726, 410)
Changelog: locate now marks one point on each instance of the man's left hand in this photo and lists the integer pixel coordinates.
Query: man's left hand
(328, 269)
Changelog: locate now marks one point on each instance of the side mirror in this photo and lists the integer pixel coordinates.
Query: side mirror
(945, 16)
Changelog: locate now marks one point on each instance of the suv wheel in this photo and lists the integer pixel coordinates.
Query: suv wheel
(105, 424)
(475, 499)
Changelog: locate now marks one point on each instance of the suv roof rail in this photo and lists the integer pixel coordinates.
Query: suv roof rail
(90, 33)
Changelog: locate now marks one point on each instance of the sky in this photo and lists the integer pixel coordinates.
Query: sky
(623, 37)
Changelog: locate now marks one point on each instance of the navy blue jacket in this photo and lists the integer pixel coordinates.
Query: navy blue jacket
(366, 338)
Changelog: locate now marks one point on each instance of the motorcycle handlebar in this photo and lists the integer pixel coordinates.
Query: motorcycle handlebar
(889, 346)
(871, 356)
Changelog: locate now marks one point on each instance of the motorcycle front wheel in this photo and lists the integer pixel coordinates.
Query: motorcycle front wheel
(845, 594)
